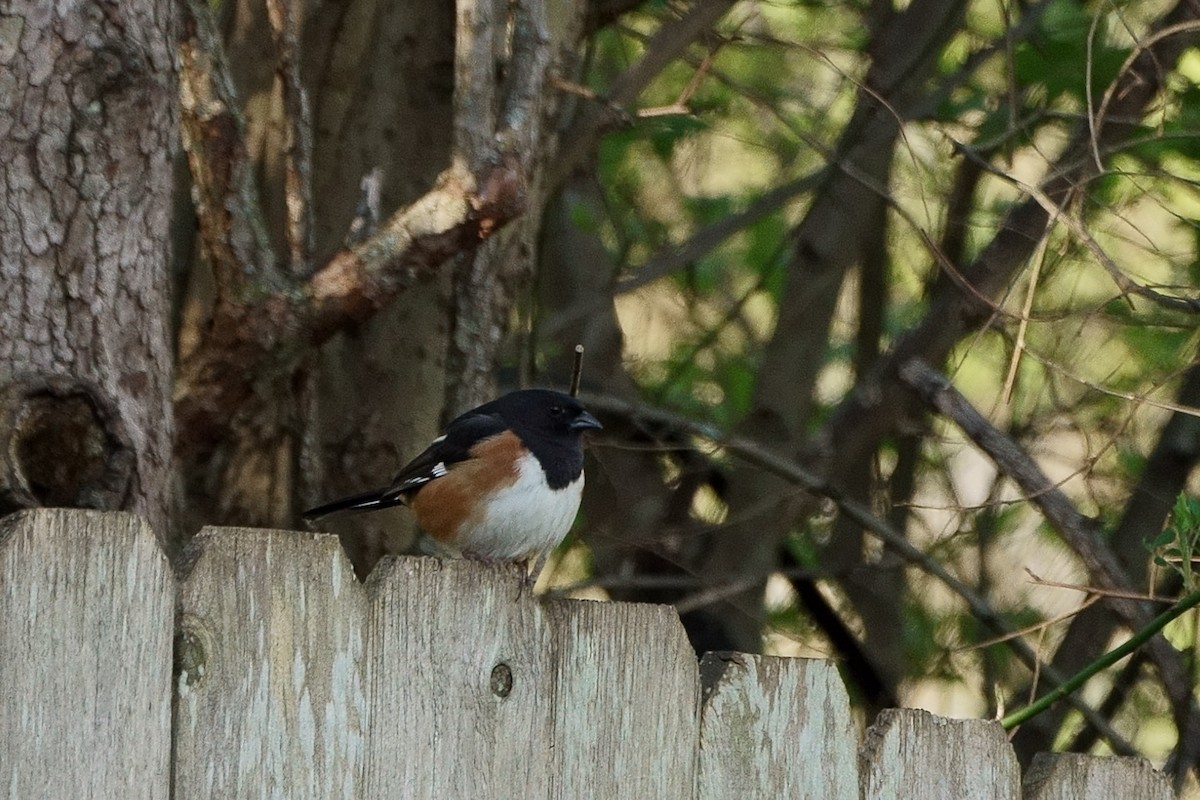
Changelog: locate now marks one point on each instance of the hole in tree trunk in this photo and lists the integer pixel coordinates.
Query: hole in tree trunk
(65, 447)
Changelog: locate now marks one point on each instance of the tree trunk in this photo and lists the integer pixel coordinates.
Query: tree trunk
(385, 103)
(88, 131)
(440, 102)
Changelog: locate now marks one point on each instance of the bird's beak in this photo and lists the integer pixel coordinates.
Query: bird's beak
(585, 421)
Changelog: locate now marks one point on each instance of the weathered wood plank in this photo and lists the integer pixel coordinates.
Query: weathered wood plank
(912, 753)
(86, 622)
(626, 702)
(462, 683)
(1068, 776)
(775, 727)
(271, 693)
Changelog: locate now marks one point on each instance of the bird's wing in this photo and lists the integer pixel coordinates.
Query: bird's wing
(452, 447)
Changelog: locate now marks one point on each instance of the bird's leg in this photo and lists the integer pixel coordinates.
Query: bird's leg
(524, 585)
(529, 576)
(539, 564)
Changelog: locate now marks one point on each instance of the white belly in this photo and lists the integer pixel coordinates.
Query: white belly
(525, 519)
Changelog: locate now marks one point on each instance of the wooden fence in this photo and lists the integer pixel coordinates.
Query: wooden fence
(265, 670)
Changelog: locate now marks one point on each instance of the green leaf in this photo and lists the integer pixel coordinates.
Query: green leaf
(665, 133)
(1157, 347)
(1163, 539)
(1056, 57)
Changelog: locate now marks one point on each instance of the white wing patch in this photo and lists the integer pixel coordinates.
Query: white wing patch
(438, 469)
(525, 519)
(411, 483)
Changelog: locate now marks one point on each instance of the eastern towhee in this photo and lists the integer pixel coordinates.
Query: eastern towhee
(502, 483)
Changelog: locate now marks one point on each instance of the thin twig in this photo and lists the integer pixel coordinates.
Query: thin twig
(1088, 73)
(1145, 45)
(680, 106)
(715, 594)
(367, 215)
(671, 39)
(1038, 258)
(1081, 533)
(1097, 592)
(1055, 211)
(577, 370)
(1076, 529)
(1036, 627)
(674, 257)
(1165, 405)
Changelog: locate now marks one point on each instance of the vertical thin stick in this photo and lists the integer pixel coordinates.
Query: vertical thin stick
(577, 370)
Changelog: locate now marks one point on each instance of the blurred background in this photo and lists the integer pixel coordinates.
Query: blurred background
(752, 215)
(889, 312)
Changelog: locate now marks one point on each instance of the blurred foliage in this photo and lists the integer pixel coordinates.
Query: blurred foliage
(1084, 382)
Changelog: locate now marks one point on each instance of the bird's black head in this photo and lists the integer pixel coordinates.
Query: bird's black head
(544, 413)
(549, 423)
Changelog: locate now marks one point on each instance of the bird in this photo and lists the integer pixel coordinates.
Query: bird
(502, 483)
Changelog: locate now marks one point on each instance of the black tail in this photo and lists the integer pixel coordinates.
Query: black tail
(368, 501)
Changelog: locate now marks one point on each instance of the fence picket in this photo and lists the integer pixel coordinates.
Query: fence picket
(1070, 776)
(775, 727)
(461, 684)
(912, 753)
(627, 694)
(86, 621)
(271, 697)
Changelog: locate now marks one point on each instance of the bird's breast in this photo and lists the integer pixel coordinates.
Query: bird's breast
(524, 518)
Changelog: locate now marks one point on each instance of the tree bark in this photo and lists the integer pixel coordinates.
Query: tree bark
(383, 98)
(88, 131)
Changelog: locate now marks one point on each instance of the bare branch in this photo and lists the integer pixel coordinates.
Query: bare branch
(1077, 530)
(1081, 533)
(878, 404)
(672, 258)
(766, 459)
(233, 235)
(245, 351)
(1163, 477)
(1056, 212)
(298, 168)
(474, 79)
(455, 216)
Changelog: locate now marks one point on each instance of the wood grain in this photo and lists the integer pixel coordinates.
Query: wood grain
(627, 698)
(271, 697)
(1067, 776)
(912, 753)
(461, 685)
(759, 712)
(86, 613)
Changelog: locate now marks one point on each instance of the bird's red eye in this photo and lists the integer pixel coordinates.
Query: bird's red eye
(557, 411)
